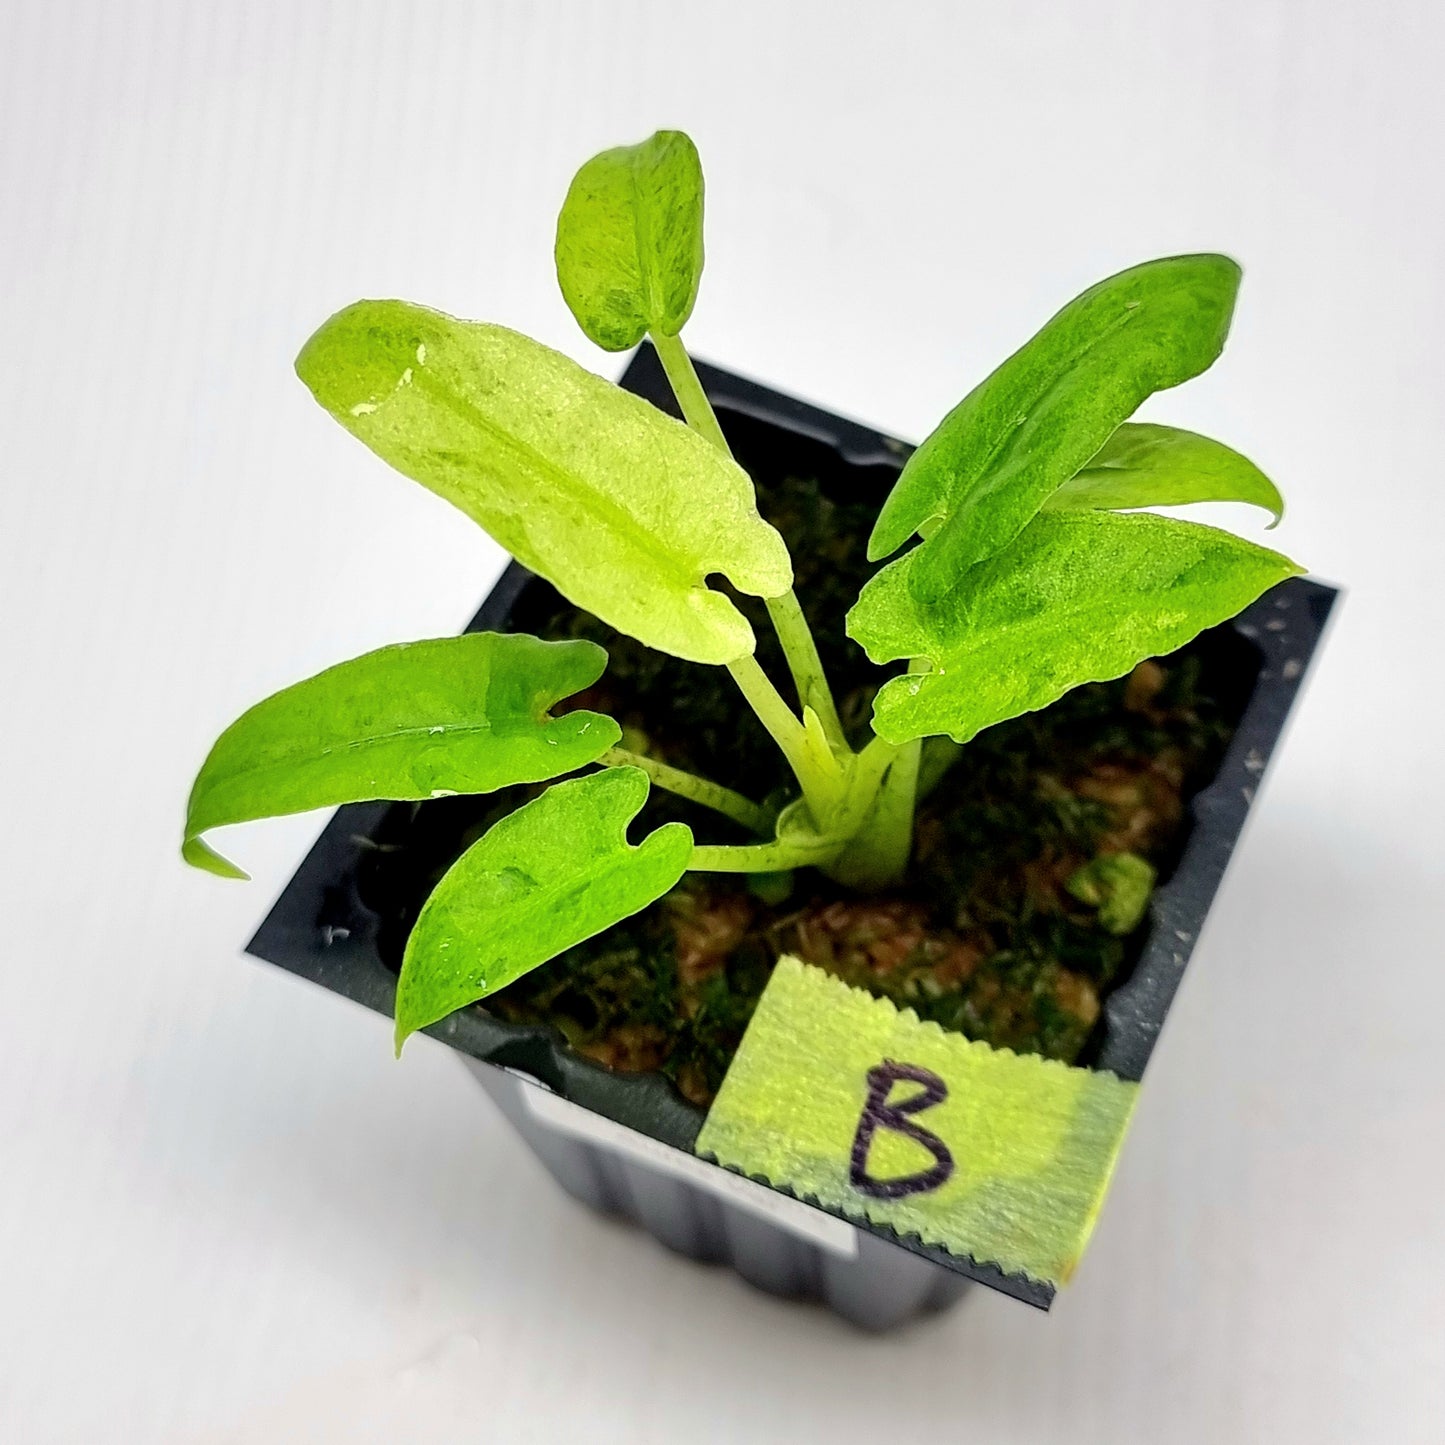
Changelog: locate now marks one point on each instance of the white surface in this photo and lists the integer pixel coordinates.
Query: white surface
(225, 1214)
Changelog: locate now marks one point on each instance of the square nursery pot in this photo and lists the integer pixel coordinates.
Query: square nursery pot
(622, 1143)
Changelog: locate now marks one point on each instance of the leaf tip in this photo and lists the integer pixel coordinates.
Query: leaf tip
(199, 855)
(631, 784)
(357, 358)
(671, 837)
(889, 532)
(592, 660)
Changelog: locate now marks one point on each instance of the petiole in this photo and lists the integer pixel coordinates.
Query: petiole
(749, 814)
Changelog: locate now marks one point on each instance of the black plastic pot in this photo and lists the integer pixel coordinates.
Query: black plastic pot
(623, 1143)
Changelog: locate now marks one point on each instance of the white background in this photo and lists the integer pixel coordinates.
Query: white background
(225, 1213)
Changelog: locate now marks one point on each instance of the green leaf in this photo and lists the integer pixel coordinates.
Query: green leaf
(419, 720)
(1143, 465)
(624, 510)
(629, 240)
(1077, 597)
(543, 879)
(1036, 421)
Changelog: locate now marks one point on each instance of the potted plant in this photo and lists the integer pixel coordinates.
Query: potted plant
(693, 730)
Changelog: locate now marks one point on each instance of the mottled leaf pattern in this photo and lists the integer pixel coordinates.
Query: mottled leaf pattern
(1037, 420)
(624, 510)
(1077, 597)
(629, 241)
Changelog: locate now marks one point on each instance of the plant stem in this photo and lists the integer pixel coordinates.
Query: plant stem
(888, 839)
(869, 772)
(696, 408)
(936, 757)
(805, 664)
(783, 726)
(688, 785)
(798, 843)
(762, 857)
(877, 854)
(785, 611)
(861, 804)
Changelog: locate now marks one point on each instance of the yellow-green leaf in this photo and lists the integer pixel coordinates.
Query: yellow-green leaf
(1144, 465)
(624, 510)
(1076, 597)
(543, 879)
(418, 720)
(1037, 420)
(629, 240)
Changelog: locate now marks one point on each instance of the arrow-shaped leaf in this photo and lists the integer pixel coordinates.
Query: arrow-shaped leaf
(624, 510)
(1077, 597)
(546, 877)
(629, 240)
(419, 720)
(1036, 421)
(1143, 465)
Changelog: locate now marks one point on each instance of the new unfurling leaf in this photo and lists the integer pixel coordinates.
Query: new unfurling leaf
(543, 879)
(1077, 597)
(629, 241)
(1036, 421)
(624, 510)
(418, 720)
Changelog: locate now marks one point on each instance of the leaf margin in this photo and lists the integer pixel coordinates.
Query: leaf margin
(366, 365)
(632, 786)
(663, 181)
(1112, 479)
(577, 664)
(965, 518)
(899, 626)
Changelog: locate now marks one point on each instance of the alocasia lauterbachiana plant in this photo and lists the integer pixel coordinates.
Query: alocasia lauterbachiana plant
(1035, 572)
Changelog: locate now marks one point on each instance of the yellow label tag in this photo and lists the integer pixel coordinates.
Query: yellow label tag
(841, 1097)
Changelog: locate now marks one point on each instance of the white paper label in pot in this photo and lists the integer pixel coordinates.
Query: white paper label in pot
(792, 1215)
